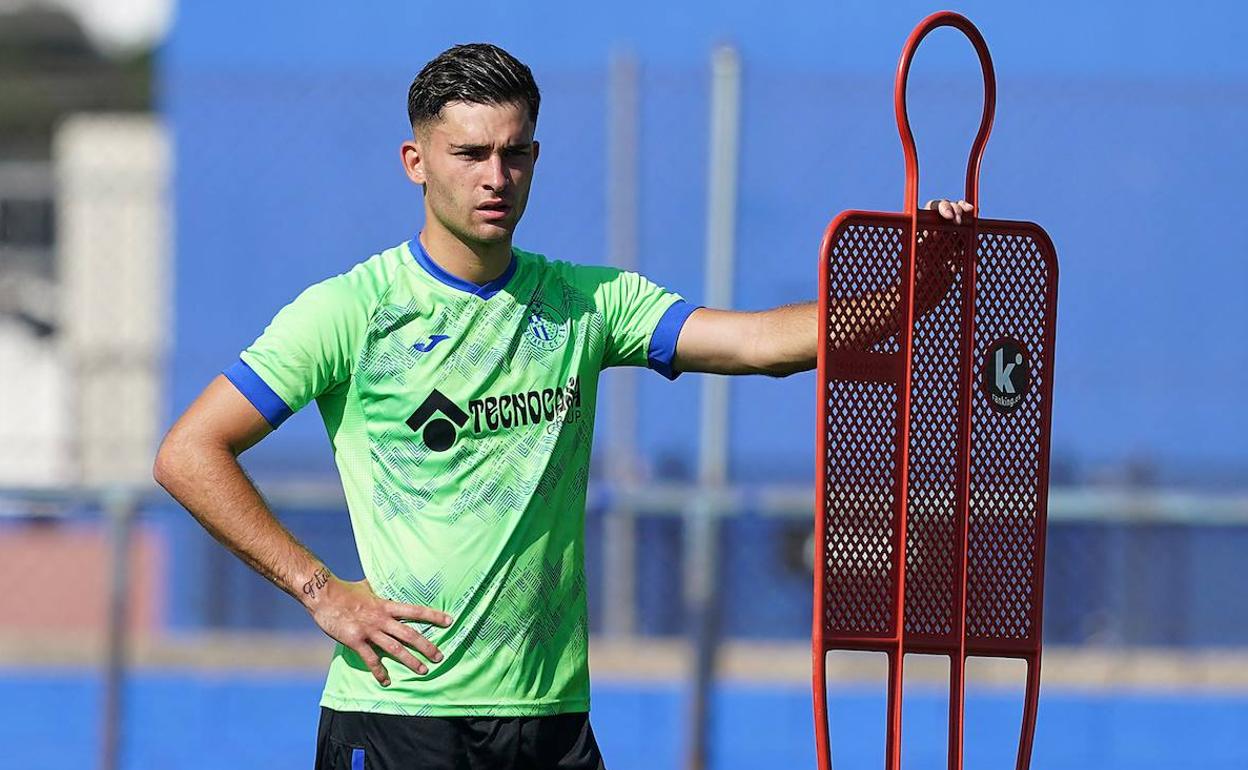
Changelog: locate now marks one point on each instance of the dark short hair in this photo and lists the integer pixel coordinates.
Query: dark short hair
(477, 73)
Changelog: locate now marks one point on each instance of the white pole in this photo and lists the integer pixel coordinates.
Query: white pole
(620, 525)
(721, 221)
(120, 507)
(702, 531)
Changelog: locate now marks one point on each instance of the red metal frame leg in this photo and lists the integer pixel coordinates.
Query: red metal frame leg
(823, 744)
(1031, 703)
(892, 749)
(957, 708)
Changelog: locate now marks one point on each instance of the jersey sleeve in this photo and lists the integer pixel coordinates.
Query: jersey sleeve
(307, 349)
(643, 320)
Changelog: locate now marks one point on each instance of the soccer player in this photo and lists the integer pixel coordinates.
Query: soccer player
(457, 376)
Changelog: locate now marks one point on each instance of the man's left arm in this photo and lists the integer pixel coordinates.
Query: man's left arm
(774, 342)
(785, 340)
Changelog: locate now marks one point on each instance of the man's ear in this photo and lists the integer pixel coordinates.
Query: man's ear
(413, 156)
(537, 148)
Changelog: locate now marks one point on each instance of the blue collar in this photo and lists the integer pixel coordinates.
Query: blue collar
(483, 290)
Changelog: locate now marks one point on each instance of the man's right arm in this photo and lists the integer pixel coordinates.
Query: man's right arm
(198, 465)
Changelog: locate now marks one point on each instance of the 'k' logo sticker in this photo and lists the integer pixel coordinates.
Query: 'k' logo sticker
(1007, 375)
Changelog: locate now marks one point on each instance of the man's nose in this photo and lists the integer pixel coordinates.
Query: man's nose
(496, 173)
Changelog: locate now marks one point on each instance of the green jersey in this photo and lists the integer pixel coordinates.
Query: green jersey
(461, 418)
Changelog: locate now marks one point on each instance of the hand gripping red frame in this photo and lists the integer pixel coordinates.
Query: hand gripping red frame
(933, 446)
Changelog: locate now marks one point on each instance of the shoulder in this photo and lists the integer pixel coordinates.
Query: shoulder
(360, 288)
(597, 288)
(586, 277)
(367, 280)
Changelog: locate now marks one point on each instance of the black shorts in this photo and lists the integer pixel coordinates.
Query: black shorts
(351, 740)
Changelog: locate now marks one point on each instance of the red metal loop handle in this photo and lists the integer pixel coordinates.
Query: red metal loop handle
(944, 19)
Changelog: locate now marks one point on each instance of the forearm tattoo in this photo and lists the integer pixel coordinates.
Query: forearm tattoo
(319, 580)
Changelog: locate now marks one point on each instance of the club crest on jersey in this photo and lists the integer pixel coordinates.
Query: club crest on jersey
(546, 325)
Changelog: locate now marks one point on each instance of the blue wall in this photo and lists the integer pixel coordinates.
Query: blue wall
(1119, 128)
(178, 719)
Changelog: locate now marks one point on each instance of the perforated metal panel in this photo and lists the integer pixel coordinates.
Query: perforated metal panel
(1009, 449)
(861, 569)
(932, 512)
(913, 444)
(861, 431)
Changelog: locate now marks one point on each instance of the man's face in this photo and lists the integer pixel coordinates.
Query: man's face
(476, 163)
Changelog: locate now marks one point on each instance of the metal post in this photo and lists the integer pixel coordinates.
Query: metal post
(120, 507)
(702, 526)
(620, 525)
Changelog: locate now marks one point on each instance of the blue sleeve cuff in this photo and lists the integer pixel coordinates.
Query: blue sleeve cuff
(257, 391)
(663, 341)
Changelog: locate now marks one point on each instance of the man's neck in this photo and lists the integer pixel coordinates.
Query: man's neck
(475, 263)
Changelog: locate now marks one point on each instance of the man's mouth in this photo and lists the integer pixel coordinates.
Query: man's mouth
(494, 210)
